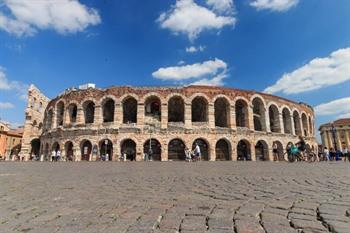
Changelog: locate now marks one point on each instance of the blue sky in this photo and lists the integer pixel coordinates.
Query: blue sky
(298, 49)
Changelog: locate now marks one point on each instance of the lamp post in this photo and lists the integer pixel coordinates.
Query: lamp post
(334, 131)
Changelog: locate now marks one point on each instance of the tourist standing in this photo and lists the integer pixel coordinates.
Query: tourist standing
(58, 155)
(275, 151)
(188, 154)
(197, 152)
(345, 153)
(326, 154)
(53, 156)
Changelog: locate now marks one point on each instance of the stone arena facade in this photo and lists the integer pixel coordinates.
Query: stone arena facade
(228, 124)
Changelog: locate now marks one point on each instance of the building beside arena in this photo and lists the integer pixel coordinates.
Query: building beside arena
(336, 134)
(228, 124)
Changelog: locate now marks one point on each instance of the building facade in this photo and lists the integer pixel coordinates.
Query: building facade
(10, 142)
(227, 124)
(336, 134)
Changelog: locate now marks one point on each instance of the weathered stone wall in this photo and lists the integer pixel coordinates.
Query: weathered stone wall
(62, 127)
(34, 116)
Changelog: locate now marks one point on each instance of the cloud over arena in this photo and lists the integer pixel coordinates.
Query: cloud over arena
(210, 72)
(25, 18)
(189, 18)
(274, 5)
(317, 74)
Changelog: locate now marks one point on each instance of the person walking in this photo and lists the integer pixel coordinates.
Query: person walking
(197, 152)
(345, 153)
(326, 154)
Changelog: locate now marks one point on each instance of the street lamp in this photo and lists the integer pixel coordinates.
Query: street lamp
(334, 131)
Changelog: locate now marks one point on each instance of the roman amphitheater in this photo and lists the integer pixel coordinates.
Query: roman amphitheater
(228, 124)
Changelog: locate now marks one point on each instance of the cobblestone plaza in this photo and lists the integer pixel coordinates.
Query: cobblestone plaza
(175, 197)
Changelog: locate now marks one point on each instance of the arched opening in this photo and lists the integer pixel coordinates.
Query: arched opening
(106, 150)
(222, 112)
(153, 107)
(153, 148)
(86, 149)
(243, 150)
(305, 127)
(199, 110)
(73, 112)
(274, 119)
(130, 110)
(47, 152)
(35, 148)
(69, 151)
(176, 150)
(55, 147)
(49, 119)
(277, 148)
(60, 113)
(310, 126)
(261, 151)
(108, 110)
(176, 109)
(222, 150)
(297, 126)
(89, 112)
(241, 113)
(287, 123)
(259, 115)
(128, 148)
(204, 148)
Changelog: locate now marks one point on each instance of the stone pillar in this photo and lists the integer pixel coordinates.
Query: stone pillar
(77, 154)
(80, 116)
(330, 139)
(54, 119)
(292, 125)
(118, 114)
(139, 152)
(232, 117)
(281, 122)
(98, 116)
(164, 156)
(338, 138)
(347, 141)
(324, 139)
(250, 117)
(66, 119)
(301, 127)
(212, 153)
(267, 121)
(141, 114)
(211, 115)
(234, 151)
(188, 116)
(252, 152)
(164, 116)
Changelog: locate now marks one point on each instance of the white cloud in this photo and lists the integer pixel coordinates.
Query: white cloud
(210, 72)
(25, 18)
(318, 73)
(274, 5)
(189, 18)
(6, 105)
(193, 49)
(339, 108)
(221, 6)
(19, 88)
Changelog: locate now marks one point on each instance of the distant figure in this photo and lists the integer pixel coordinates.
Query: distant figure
(53, 156)
(197, 152)
(326, 154)
(58, 155)
(188, 154)
(275, 152)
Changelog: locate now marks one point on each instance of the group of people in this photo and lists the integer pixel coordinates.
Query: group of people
(193, 155)
(334, 155)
